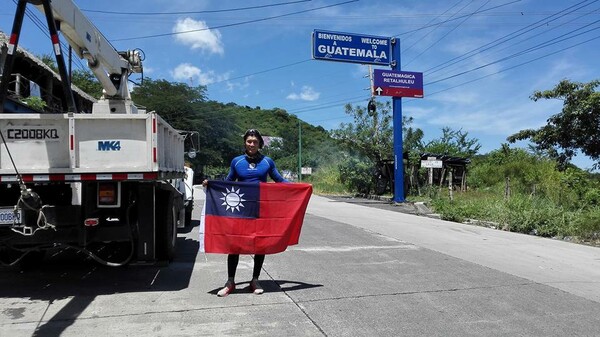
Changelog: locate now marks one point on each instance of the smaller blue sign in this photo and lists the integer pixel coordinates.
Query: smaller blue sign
(397, 83)
(355, 48)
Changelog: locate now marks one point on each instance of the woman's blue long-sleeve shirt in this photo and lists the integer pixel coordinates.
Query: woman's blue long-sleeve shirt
(253, 169)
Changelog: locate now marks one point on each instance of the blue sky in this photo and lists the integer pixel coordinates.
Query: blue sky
(481, 59)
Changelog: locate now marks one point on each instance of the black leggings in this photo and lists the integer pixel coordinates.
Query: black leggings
(232, 262)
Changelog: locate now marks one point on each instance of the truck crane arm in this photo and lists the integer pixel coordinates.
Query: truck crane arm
(110, 66)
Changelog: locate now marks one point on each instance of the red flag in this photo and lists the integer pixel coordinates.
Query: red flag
(253, 218)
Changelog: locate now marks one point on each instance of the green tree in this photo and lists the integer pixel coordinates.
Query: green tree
(49, 60)
(175, 102)
(412, 143)
(83, 79)
(412, 140)
(575, 128)
(371, 134)
(86, 81)
(453, 143)
(186, 108)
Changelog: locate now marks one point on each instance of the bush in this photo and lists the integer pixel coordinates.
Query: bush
(356, 175)
(592, 197)
(464, 206)
(587, 226)
(35, 103)
(327, 180)
(531, 215)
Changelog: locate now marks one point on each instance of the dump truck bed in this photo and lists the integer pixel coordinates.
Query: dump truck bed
(77, 147)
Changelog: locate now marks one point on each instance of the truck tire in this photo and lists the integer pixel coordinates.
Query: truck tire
(167, 231)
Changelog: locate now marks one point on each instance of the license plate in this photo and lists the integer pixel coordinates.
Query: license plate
(9, 217)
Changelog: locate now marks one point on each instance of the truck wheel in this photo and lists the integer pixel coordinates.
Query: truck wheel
(168, 233)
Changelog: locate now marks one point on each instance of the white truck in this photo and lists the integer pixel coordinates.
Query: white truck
(100, 183)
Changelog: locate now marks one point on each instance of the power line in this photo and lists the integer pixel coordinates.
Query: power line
(237, 23)
(447, 33)
(197, 12)
(506, 38)
(522, 52)
(486, 76)
(358, 99)
(518, 65)
(421, 28)
(42, 26)
(545, 44)
(259, 72)
(495, 73)
(456, 18)
(512, 56)
(431, 31)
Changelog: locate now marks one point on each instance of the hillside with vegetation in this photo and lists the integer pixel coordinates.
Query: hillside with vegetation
(222, 125)
(534, 191)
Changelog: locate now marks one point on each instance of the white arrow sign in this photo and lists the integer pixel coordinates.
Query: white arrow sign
(378, 91)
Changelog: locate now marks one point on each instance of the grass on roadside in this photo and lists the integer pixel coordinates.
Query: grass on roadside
(327, 181)
(521, 213)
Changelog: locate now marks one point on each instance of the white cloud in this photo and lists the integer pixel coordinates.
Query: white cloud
(186, 72)
(360, 71)
(201, 38)
(238, 85)
(418, 113)
(306, 94)
(148, 70)
(454, 97)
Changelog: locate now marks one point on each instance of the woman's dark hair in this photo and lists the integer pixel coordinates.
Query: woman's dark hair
(255, 133)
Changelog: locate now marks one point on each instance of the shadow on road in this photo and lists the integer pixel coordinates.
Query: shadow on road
(68, 274)
(188, 229)
(270, 286)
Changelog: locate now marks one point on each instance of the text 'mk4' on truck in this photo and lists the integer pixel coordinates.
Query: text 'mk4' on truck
(110, 180)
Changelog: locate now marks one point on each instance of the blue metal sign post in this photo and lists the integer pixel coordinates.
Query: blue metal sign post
(397, 124)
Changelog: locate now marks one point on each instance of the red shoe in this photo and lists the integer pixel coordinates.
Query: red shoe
(228, 289)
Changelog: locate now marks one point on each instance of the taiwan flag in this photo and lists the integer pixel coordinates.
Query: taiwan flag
(252, 217)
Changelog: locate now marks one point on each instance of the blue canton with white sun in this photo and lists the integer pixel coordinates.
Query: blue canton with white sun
(232, 199)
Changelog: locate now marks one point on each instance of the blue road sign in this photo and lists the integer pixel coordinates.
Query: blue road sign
(355, 48)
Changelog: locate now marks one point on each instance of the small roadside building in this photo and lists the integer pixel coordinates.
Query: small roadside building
(33, 78)
(445, 170)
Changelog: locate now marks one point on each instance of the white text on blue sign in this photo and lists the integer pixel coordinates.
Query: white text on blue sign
(351, 48)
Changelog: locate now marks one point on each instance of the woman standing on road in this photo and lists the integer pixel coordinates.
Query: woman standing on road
(252, 166)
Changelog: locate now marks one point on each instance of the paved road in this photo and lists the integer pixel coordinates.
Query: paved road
(358, 271)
